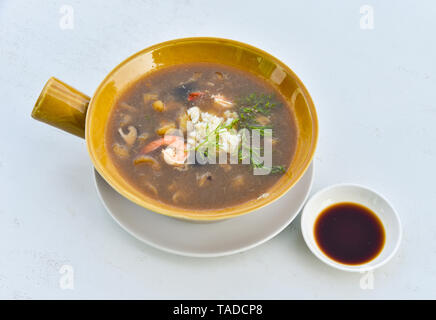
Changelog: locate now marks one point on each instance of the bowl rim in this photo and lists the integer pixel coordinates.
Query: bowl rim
(197, 214)
(337, 265)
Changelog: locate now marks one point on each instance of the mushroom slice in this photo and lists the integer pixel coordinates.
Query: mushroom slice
(149, 160)
(130, 137)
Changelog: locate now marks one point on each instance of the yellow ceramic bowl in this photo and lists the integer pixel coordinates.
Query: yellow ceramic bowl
(66, 108)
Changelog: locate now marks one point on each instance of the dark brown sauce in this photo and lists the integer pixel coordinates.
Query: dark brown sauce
(349, 233)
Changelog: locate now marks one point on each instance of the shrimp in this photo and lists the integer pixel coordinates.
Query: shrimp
(165, 141)
(175, 154)
(194, 95)
(222, 101)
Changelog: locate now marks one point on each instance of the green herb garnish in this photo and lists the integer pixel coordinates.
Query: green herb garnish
(250, 108)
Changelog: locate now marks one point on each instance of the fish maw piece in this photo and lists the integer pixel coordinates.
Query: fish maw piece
(125, 120)
(128, 107)
(204, 179)
(147, 160)
(121, 151)
(151, 188)
(226, 167)
(237, 182)
(179, 196)
(172, 187)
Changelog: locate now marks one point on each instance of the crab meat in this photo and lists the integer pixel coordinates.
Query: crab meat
(194, 114)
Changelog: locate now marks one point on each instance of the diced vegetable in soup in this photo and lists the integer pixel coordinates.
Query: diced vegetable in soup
(177, 135)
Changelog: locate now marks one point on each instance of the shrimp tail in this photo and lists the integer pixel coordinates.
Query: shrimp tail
(165, 141)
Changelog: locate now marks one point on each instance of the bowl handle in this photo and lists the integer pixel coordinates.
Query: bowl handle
(62, 106)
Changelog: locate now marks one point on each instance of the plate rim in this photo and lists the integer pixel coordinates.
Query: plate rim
(310, 170)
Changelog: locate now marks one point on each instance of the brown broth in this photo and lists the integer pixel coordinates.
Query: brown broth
(349, 233)
(220, 191)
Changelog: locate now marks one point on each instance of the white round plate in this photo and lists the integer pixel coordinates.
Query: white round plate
(211, 239)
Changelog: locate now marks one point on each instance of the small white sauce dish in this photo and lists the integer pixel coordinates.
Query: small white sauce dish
(361, 195)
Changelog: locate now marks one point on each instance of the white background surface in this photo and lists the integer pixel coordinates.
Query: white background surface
(374, 91)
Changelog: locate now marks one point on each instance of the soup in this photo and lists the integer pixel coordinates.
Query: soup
(163, 127)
